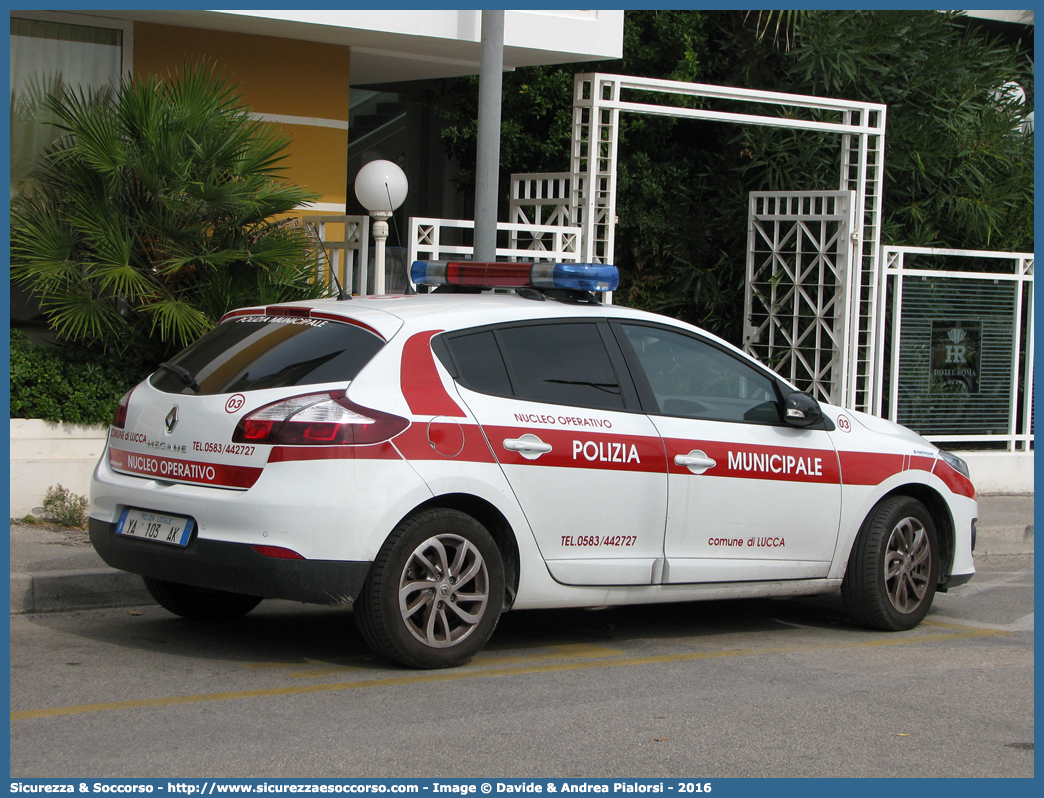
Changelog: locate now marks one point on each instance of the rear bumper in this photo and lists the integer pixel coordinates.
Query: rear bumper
(233, 567)
(956, 580)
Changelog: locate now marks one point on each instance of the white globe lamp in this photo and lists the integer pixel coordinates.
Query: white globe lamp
(380, 187)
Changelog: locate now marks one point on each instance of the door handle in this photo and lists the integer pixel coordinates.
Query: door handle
(529, 446)
(696, 461)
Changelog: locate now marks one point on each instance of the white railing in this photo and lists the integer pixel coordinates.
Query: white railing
(345, 249)
(430, 239)
(967, 376)
(540, 198)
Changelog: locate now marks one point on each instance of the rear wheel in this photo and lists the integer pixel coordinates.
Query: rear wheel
(199, 603)
(893, 569)
(434, 594)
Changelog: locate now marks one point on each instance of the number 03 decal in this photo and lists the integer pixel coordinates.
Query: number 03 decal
(235, 403)
(844, 424)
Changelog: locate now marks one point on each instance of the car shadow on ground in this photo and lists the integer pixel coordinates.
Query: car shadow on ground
(289, 633)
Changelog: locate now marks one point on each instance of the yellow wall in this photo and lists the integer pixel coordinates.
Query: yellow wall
(275, 76)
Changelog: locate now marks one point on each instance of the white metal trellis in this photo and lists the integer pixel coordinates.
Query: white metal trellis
(798, 287)
(540, 198)
(598, 100)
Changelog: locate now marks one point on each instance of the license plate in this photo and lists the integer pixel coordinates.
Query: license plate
(148, 525)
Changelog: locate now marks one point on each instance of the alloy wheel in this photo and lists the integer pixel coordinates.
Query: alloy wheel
(443, 590)
(908, 565)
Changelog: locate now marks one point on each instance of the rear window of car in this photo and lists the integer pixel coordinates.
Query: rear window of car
(251, 353)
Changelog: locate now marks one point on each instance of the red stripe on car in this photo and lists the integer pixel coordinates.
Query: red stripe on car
(918, 463)
(174, 470)
(274, 310)
(287, 454)
(421, 385)
(954, 480)
(576, 449)
(869, 468)
(747, 461)
(243, 312)
(318, 314)
(448, 441)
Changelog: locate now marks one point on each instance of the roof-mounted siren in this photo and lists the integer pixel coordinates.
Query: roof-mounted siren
(548, 278)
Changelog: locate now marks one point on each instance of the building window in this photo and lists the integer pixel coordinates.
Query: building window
(48, 56)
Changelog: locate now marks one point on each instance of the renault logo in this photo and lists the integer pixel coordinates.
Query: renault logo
(172, 419)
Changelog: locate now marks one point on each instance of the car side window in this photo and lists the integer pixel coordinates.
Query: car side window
(691, 378)
(479, 363)
(563, 364)
(558, 363)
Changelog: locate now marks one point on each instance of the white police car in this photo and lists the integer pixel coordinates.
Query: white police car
(436, 459)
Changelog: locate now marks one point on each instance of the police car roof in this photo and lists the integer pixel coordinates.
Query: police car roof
(387, 314)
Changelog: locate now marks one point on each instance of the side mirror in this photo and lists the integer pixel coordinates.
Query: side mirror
(801, 410)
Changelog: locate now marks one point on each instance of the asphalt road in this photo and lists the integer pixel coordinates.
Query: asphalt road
(711, 690)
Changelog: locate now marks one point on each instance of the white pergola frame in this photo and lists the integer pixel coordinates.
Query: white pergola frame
(597, 102)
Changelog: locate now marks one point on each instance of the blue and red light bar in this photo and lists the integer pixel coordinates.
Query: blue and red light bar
(564, 276)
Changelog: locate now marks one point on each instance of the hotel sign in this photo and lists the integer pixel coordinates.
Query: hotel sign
(956, 349)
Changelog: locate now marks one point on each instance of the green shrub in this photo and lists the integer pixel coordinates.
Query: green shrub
(67, 383)
(65, 507)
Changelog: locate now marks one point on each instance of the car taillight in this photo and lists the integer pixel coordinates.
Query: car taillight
(317, 419)
(119, 418)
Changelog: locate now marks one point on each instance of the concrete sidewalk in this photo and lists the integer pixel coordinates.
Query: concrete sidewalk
(57, 569)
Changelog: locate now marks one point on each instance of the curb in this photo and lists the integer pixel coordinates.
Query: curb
(53, 591)
(1004, 540)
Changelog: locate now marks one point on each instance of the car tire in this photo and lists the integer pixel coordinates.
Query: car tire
(893, 569)
(199, 603)
(435, 591)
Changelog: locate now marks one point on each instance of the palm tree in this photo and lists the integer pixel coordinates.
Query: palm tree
(780, 21)
(153, 215)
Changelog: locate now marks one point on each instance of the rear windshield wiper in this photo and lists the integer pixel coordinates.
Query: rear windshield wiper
(182, 374)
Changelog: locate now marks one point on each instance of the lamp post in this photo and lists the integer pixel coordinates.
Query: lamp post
(381, 187)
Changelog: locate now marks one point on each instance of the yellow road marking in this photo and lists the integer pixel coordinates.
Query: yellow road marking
(486, 659)
(465, 673)
(944, 625)
(960, 627)
(331, 667)
(564, 651)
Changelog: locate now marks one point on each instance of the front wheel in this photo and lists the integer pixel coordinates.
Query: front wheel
(199, 603)
(434, 594)
(893, 569)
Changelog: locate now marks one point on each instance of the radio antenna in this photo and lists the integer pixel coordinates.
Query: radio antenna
(342, 295)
